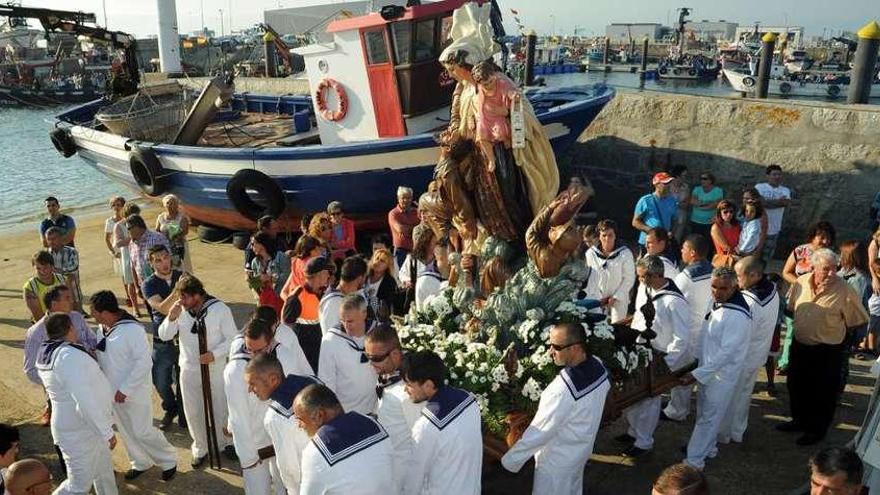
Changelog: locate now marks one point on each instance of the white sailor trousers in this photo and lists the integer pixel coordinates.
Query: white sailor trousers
(193, 406)
(643, 417)
(89, 463)
(713, 399)
(736, 421)
(145, 444)
(679, 402)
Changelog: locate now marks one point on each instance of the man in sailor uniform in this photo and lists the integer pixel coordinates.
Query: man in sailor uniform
(349, 453)
(212, 316)
(726, 332)
(612, 272)
(695, 283)
(126, 360)
(672, 325)
(265, 379)
(564, 428)
(655, 246)
(763, 300)
(246, 411)
(351, 281)
(82, 409)
(343, 366)
(397, 413)
(429, 281)
(447, 440)
(280, 342)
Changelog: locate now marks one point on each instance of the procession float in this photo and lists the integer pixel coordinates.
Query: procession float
(495, 225)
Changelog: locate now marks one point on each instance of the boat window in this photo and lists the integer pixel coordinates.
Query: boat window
(377, 52)
(402, 32)
(424, 41)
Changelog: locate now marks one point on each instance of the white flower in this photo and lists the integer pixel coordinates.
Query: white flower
(531, 390)
(499, 374)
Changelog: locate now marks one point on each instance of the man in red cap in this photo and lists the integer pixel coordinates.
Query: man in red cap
(656, 209)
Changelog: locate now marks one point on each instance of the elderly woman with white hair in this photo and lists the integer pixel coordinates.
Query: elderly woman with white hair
(825, 309)
(174, 224)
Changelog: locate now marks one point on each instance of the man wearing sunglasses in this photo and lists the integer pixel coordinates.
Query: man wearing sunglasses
(671, 323)
(396, 413)
(563, 431)
(342, 365)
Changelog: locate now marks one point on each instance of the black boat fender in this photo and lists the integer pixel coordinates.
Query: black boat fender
(273, 202)
(63, 142)
(147, 171)
(749, 81)
(785, 88)
(833, 90)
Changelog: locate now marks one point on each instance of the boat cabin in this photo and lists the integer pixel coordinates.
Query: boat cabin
(384, 66)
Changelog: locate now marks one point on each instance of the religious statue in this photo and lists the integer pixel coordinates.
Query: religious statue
(552, 237)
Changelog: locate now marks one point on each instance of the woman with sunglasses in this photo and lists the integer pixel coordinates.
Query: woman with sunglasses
(342, 243)
(725, 233)
(704, 199)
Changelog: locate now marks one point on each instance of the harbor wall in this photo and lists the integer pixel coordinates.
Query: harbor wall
(259, 85)
(830, 154)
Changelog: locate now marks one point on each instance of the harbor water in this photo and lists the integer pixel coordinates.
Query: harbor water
(32, 169)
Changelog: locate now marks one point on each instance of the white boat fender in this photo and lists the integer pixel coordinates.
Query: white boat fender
(833, 90)
(273, 200)
(63, 142)
(749, 81)
(147, 171)
(785, 88)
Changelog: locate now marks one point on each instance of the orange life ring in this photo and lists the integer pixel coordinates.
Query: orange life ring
(321, 100)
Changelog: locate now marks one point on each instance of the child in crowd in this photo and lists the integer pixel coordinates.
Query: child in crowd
(66, 262)
(43, 281)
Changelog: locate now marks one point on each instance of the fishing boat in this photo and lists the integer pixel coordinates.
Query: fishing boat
(832, 88)
(378, 95)
(31, 97)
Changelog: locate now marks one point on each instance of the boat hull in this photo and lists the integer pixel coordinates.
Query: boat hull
(745, 83)
(21, 97)
(364, 176)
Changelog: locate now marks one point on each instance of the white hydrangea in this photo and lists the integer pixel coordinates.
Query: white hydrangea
(499, 374)
(603, 330)
(531, 390)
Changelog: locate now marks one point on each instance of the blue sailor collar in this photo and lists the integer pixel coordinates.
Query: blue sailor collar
(347, 435)
(584, 378)
(49, 351)
(331, 293)
(281, 400)
(202, 314)
(430, 272)
(670, 289)
(123, 320)
(762, 292)
(597, 251)
(736, 303)
(701, 270)
(446, 405)
(359, 348)
(239, 351)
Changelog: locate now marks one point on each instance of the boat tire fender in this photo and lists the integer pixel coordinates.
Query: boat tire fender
(692, 72)
(676, 71)
(268, 189)
(321, 100)
(663, 70)
(833, 90)
(785, 88)
(749, 81)
(147, 171)
(63, 142)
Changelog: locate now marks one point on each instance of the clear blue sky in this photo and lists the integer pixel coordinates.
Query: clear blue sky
(591, 16)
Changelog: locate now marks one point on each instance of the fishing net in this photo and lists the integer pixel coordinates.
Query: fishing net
(149, 115)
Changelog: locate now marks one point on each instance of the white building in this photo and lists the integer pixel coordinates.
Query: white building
(794, 34)
(713, 30)
(313, 19)
(623, 32)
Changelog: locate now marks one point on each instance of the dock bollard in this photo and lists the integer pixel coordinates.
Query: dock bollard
(269, 55)
(768, 42)
(531, 41)
(606, 50)
(644, 58)
(863, 63)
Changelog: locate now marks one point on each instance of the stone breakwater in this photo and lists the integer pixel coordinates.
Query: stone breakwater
(830, 153)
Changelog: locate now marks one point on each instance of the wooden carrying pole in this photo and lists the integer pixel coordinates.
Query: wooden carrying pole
(207, 400)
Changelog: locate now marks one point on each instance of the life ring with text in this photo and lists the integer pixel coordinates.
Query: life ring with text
(748, 81)
(148, 172)
(833, 90)
(785, 88)
(321, 100)
(63, 142)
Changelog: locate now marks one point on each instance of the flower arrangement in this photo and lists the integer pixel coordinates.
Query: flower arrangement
(506, 364)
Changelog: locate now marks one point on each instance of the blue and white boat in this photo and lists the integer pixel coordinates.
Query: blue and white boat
(379, 95)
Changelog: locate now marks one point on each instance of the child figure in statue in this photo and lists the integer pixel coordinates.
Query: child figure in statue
(495, 95)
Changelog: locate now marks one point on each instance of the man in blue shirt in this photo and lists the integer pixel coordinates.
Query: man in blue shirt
(656, 209)
(159, 292)
(57, 219)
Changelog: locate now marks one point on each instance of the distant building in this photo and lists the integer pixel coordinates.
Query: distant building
(620, 32)
(203, 33)
(794, 34)
(313, 19)
(713, 30)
